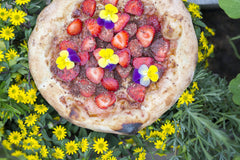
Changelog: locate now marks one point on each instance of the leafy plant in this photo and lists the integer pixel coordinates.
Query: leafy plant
(234, 87)
(231, 7)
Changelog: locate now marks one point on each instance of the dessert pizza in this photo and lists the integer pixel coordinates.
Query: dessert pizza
(113, 65)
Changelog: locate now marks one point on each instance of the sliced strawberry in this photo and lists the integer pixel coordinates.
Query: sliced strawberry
(137, 92)
(88, 44)
(137, 62)
(124, 57)
(92, 62)
(153, 21)
(110, 84)
(96, 53)
(75, 27)
(124, 72)
(120, 40)
(64, 45)
(86, 87)
(105, 100)
(134, 7)
(95, 74)
(93, 27)
(89, 7)
(135, 48)
(131, 28)
(113, 2)
(160, 48)
(84, 57)
(122, 22)
(67, 75)
(145, 35)
(106, 34)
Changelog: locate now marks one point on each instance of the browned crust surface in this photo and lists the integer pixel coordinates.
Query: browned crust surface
(160, 96)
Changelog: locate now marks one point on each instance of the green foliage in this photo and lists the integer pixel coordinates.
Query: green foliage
(231, 8)
(234, 87)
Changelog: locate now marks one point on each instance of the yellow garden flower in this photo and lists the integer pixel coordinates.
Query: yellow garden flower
(203, 40)
(21, 97)
(40, 108)
(7, 145)
(44, 152)
(1, 56)
(108, 58)
(186, 97)
(31, 96)
(13, 91)
(31, 120)
(210, 30)
(110, 13)
(160, 145)
(168, 128)
(107, 155)
(195, 10)
(30, 144)
(2, 68)
(7, 33)
(58, 154)
(17, 153)
(71, 147)
(60, 132)
(32, 157)
(83, 145)
(63, 60)
(15, 137)
(11, 54)
(100, 145)
(20, 2)
(142, 155)
(17, 17)
(210, 50)
(3, 14)
(138, 150)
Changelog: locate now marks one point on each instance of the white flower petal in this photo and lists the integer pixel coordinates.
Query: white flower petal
(143, 70)
(145, 81)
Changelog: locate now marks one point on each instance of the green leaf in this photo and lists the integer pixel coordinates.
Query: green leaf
(231, 8)
(2, 45)
(234, 87)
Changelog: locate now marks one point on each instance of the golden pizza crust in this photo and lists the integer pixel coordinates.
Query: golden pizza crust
(160, 96)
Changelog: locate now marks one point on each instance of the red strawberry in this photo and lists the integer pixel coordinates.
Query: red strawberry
(89, 7)
(64, 45)
(122, 22)
(123, 72)
(75, 27)
(145, 35)
(135, 48)
(93, 27)
(153, 21)
(88, 44)
(160, 48)
(134, 7)
(110, 84)
(113, 2)
(120, 40)
(84, 57)
(137, 62)
(105, 100)
(95, 74)
(106, 34)
(136, 92)
(124, 57)
(96, 53)
(67, 75)
(131, 29)
(86, 87)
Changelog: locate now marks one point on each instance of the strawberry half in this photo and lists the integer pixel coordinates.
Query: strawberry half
(122, 22)
(89, 7)
(67, 75)
(110, 84)
(120, 40)
(84, 57)
(95, 74)
(134, 7)
(86, 87)
(123, 72)
(105, 100)
(131, 28)
(106, 34)
(145, 35)
(135, 48)
(124, 57)
(113, 2)
(160, 48)
(88, 44)
(137, 62)
(93, 27)
(137, 92)
(96, 54)
(153, 21)
(64, 45)
(75, 27)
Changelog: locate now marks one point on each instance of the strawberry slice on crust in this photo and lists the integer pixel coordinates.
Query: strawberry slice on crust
(93, 27)
(137, 62)
(122, 22)
(105, 100)
(88, 44)
(145, 35)
(96, 53)
(95, 74)
(134, 7)
(86, 88)
(160, 48)
(137, 92)
(110, 84)
(120, 40)
(84, 57)
(89, 7)
(75, 27)
(113, 2)
(67, 75)
(124, 57)
(123, 72)
(135, 48)
(64, 45)
(106, 34)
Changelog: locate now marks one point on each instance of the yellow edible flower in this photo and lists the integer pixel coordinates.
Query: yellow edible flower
(63, 61)
(110, 13)
(108, 57)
